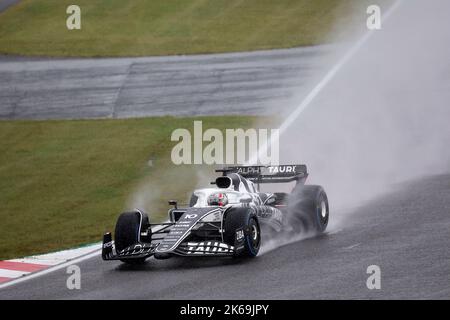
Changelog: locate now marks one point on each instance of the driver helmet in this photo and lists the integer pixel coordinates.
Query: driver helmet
(217, 199)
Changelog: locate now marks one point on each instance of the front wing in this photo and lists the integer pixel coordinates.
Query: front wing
(145, 250)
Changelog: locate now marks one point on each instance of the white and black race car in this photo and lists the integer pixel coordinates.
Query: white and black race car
(225, 220)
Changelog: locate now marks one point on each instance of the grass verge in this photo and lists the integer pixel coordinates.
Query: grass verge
(141, 27)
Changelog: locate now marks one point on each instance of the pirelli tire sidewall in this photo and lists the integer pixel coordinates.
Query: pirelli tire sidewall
(243, 218)
(127, 232)
(308, 209)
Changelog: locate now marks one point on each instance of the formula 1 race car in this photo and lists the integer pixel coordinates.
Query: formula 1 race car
(225, 220)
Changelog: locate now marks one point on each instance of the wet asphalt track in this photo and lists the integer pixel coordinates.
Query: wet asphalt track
(254, 83)
(405, 233)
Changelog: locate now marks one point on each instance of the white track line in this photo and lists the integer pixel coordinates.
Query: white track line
(34, 261)
(51, 269)
(12, 273)
(322, 83)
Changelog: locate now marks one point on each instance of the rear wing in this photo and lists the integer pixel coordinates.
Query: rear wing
(270, 174)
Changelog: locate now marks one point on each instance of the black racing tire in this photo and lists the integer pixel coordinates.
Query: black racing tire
(245, 218)
(308, 209)
(127, 232)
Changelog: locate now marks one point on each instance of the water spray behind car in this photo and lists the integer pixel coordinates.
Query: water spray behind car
(378, 119)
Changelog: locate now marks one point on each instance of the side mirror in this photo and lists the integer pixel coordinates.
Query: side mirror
(173, 203)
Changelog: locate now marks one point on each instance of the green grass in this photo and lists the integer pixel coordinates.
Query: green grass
(168, 27)
(63, 183)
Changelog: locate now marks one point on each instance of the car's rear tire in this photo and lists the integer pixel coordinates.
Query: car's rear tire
(245, 218)
(308, 209)
(128, 232)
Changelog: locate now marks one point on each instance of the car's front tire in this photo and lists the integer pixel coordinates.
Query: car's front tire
(128, 229)
(243, 218)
